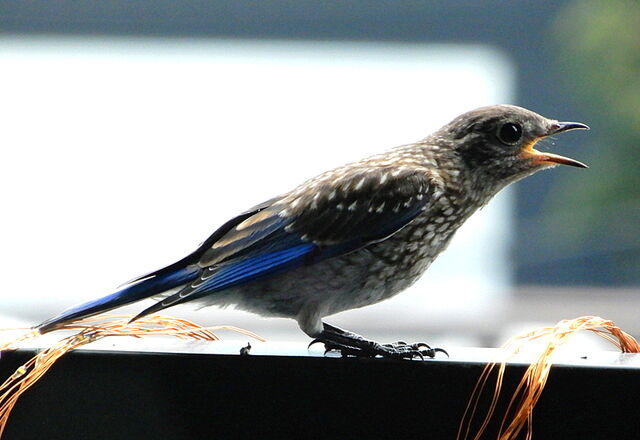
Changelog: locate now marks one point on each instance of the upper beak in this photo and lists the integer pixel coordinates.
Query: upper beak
(559, 127)
(555, 159)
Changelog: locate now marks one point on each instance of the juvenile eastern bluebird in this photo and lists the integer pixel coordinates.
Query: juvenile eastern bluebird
(352, 236)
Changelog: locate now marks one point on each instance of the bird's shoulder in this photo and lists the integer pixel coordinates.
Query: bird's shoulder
(359, 187)
(366, 197)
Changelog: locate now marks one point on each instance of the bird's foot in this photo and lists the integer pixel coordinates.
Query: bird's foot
(392, 351)
(350, 344)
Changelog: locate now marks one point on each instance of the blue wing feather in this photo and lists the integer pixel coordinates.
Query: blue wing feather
(251, 268)
(132, 293)
(237, 272)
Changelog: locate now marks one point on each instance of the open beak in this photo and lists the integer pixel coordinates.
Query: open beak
(550, 158)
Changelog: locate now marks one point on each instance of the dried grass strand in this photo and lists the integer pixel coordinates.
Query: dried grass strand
(89, 330)
(518, 414)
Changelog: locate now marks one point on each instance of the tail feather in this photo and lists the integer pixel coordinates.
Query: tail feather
(153, 285)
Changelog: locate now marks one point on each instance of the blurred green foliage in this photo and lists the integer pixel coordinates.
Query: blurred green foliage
(599, 57)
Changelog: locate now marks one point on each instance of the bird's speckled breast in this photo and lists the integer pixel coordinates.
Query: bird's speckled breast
(402, 258)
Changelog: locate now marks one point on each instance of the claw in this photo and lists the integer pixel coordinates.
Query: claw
(315, 341)
(329, 347)
(439, 350)
(431, 352)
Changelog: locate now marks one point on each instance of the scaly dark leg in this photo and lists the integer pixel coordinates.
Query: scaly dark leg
(351, 344)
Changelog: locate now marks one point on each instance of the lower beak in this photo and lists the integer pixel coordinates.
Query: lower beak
(555, 159)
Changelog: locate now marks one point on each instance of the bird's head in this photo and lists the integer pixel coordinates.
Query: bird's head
(498, 142)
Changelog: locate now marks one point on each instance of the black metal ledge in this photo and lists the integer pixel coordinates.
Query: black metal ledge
(124, 395)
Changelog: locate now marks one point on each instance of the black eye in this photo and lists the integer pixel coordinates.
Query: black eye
(510, 133)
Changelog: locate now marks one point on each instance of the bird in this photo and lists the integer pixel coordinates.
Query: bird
(352, 236)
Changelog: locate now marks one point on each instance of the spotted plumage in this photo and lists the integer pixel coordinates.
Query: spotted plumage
(352, 236)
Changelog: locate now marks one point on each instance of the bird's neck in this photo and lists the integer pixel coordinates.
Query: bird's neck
(454, 180)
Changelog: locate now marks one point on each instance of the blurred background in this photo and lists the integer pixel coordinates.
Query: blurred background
(131, 130)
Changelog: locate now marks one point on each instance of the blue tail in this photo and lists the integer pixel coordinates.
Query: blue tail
(153, 285)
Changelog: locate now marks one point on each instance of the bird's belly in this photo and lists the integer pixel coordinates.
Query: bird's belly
(329, 286)
(361, 278)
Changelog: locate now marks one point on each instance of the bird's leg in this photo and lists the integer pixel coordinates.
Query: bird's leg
(351, 344)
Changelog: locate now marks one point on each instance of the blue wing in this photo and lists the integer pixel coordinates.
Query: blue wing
(299, 229)
(313, 223)
(132, 293)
